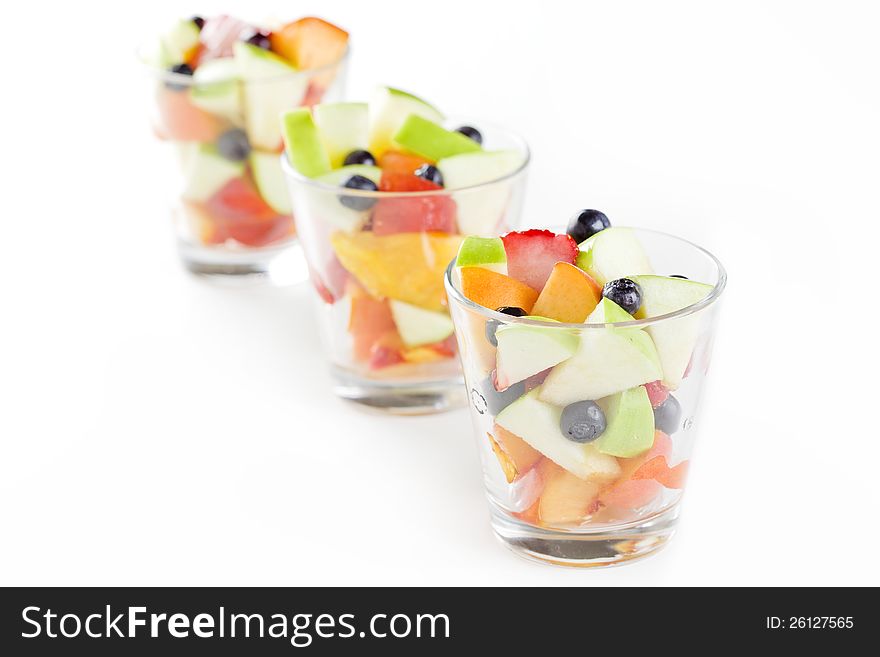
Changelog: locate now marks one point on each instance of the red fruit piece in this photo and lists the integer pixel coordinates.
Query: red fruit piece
(218, 36)
(239, 199)
(413, 214)
(532, 254)
(313, 96)
(447, 347)
(657, 393)
(397, 162)
(180, 120)
(386, 351)
(658, 469)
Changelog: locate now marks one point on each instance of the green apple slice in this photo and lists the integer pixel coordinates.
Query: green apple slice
(611, 254)
(270, 180)
(271, 87)
(527, 350)
(607, 361)
(344, 127)
(480, 212)
(485, 252)
(303, 143)
(608, 312)
(207, 171)
(418, 326)
(216, 89)
(179, 41)
(430, 140)
(537, 423)
(674, 338)
(389, 108)
(630, 423)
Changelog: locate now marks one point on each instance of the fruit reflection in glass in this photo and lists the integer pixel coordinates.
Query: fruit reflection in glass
(218, 88)
(383, 193)
(584, 364)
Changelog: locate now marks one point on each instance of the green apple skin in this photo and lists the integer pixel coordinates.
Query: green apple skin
(481, 212)
(344, 127)
(303, 143)
(430, 140)
(206, 171)
(611, 254)
(607, 361)
(526, 350)
(608, 312)
(675, 338)
(418, 326)
(485, 252)
(217, 89)
(538, 423)
(630, 423)
(270, 180)
(389, 108)
(270, 87)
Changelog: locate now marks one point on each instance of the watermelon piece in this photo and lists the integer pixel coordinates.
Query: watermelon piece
(412, 214)
(393, 162)
(532, 254)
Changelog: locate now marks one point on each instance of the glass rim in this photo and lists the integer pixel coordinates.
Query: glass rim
(453, 292)
(188, 80)
(522, 144)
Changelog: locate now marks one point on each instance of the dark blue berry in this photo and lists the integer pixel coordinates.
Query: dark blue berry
(359, 203)
(199, 21)
(258, 38)
(234, 145)
(678, 276)
(471, 133)
(498, 401)
(625, 293)
(587, 223)
(430, 173)
(493, 324)
(667, 416)
(583, 421)
(359, 157)
(179, 69)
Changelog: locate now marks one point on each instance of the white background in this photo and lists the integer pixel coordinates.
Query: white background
(159, 430)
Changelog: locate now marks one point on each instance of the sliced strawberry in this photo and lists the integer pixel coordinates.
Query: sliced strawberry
(531, 255)
(218, 36)
(413, 214)
(657, 392)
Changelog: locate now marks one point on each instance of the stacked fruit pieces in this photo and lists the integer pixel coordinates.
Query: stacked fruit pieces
(582, 415)
(386, 174)
(224, 86)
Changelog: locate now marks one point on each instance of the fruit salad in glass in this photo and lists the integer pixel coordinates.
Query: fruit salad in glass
(218, 88)
(383, 193)
(584, 353)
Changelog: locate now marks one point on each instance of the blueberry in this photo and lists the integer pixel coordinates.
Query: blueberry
(583, 421)
(199, 21)
(498, 401)
(430, 173)
(360, 157)
(678, 276)
(493, 324)
(587, 223)
(234, 145)
(625, 293)
(471, 133)
(258, 38)
(179, 69)
(667, 416)
(359, 203)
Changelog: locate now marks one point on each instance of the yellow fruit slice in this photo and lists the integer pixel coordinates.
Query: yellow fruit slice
(408, 267)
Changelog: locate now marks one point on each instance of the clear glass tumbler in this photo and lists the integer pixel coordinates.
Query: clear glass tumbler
(569, 503)
(222, 135)
(380, 299)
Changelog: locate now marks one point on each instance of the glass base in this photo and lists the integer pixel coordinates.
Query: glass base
(585, 548)
(280, 265)
(400, 398)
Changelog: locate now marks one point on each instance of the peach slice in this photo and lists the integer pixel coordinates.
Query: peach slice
(493, 290)
(569, 295)
(658, 469)
(566, 499)
(520, 454)
(630, 492)
(504, 459)
(408, 267)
